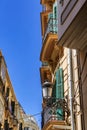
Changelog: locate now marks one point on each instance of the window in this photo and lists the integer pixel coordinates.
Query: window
(26, 128)
(7, 92)
(20, 126)
(6, 125)
(12, 107)
(59, 91)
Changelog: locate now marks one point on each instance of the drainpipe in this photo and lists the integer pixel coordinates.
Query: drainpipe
(70, 82)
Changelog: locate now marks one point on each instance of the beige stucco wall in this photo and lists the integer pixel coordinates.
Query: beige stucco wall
(63, 63)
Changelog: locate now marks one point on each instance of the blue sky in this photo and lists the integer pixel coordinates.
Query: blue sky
(20, 42)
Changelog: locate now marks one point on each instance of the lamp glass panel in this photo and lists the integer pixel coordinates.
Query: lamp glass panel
(47, 92)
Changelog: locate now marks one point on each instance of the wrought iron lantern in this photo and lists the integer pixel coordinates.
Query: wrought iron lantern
(47, 89)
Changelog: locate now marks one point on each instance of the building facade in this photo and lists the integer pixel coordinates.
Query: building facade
(60, 70)
(72, 34)
(26, 122)
(8, 101)
(12, 115)
(30, 123)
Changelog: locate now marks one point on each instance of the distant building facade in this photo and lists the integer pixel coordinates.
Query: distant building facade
(12, 115)
(30, 123)
(27, 122)
(8, 101)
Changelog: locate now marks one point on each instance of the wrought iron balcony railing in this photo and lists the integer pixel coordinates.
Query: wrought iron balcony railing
(53, 118)
(49, 116)
(44, 9)
(44, 64)
(52, 27)
(55, 110)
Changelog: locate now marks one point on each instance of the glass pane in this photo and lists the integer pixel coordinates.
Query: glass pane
(47, 92)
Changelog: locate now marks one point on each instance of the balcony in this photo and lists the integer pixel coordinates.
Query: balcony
(51, 118)
(44, 2)
(44, 64)
(73, 24)
(51, 28)
(44, 18)
(50, 51)
(51, 121)
(15, 121)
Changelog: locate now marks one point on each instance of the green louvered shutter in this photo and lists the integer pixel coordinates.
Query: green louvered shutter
(59, 91)
(55, 17)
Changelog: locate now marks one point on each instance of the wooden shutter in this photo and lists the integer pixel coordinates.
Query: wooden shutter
(59, 84)
(55, 18)
(59, 91)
